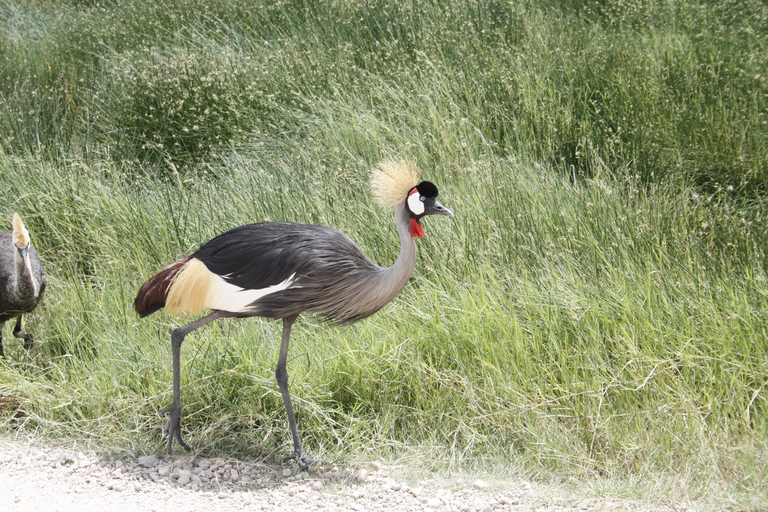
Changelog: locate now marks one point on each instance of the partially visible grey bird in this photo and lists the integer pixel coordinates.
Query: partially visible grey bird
(22, 279)
(280, 269)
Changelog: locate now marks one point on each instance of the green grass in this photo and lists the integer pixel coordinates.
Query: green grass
(596, 309)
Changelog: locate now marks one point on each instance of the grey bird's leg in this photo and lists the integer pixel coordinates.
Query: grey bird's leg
(282, 380)
(2, 354)
(28, 340)
(174, 411)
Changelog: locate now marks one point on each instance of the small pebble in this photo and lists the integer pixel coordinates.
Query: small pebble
(482, 506)
(434, 503)
(146, 461)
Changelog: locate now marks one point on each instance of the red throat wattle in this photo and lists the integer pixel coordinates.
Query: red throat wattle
(416, 229)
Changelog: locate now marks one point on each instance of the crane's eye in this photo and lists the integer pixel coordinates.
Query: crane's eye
(422, 199)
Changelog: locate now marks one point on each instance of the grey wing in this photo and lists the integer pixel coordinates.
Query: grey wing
(256, 256)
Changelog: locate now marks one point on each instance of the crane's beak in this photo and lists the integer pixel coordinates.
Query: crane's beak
(23, 251)
(435, 208)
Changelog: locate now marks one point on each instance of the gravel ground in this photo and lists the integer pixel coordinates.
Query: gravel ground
(34, 477)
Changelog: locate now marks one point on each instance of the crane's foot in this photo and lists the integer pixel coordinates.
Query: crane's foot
(29, 341)
(174, 427)
(302, 460)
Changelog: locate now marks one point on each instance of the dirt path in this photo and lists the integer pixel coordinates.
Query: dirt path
(34, 477)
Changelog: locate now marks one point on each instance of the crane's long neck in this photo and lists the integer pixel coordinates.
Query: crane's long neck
(398, 274)
(26, 284)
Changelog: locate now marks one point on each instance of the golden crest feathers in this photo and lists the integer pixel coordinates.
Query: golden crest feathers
(392, 180)
(20, 233)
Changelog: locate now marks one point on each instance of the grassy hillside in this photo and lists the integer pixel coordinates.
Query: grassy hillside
(597, 307)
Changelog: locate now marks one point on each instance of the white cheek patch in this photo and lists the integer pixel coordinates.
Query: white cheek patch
(415, 204)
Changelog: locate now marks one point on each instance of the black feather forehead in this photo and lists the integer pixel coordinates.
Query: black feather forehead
(427, 189)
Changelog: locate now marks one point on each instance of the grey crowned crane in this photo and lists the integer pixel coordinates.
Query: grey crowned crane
(280, 270)
(22, 279)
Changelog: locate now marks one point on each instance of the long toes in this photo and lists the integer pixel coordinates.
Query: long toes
(302, 460)
(181, 441)
(305, 461)
(297, 456)
(173, 428)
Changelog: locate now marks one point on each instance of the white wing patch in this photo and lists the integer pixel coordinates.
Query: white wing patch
(228, 297)
(415, 204)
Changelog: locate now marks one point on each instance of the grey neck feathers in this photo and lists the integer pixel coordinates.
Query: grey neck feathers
(26, 285)
(398, 274)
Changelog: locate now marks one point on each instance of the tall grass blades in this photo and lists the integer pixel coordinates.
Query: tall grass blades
(596, 309)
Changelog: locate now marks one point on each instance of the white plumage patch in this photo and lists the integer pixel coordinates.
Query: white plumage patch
(229, 297)
(416, 203)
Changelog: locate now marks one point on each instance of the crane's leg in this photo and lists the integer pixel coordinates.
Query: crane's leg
(174, 411)
(28, 340)
(282, 380)
(2, 354)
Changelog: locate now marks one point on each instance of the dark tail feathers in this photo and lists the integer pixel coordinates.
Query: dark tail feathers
(152, 294)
